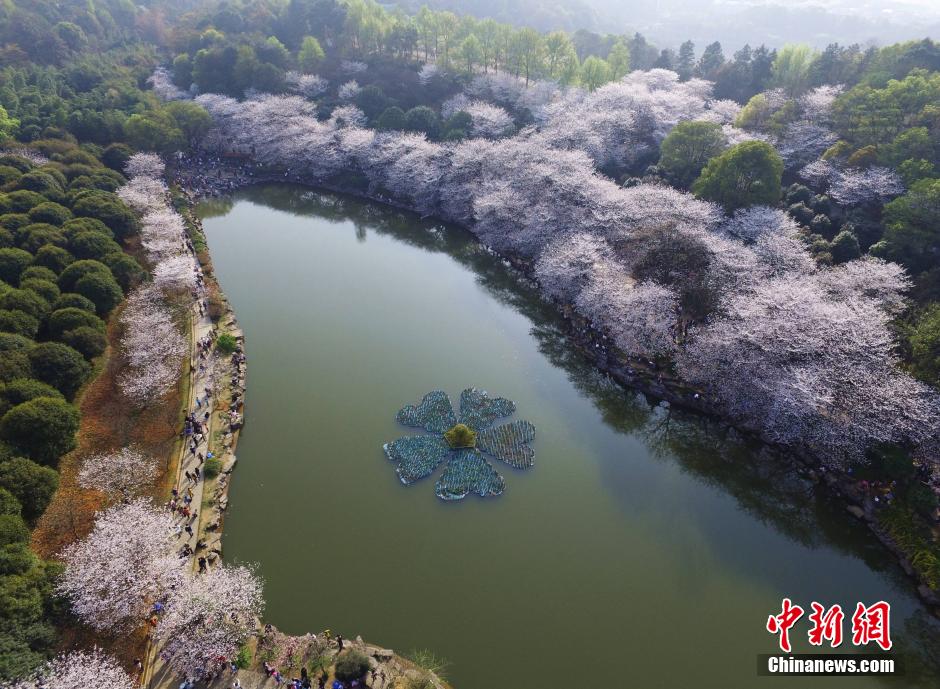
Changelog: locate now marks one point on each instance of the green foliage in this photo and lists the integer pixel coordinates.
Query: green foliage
(8, 503)
(745, 175)
(423, 119)
(70, 318)
(32, 484)
(925, 345)
(55, 258)
(12, 263)
(87, 340)
(212, 467)
(243, 658)
(912, 227)
(688, 147)
(109, 209)
(310, 54)
(845, 247)
(49, 212)
(60, 366)
(226, 343)
(19, 323)
(460, 436)
(351, 665)
(46, 290)
(102, 289)
(427, 660)
(392, 119)
(43, 428)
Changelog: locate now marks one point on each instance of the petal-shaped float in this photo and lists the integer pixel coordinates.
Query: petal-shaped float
(416, 456)
(478, 411)
(435, 413)
(509, 442)
(468, 472)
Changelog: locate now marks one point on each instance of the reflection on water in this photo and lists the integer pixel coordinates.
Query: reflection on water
(650, 543)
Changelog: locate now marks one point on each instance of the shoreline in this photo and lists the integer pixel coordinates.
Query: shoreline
(629, 372)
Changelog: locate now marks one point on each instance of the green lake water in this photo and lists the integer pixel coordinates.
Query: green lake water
(643, 549)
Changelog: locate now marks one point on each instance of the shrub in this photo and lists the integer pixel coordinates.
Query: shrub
(90, 244)
(12, 263)
(60, 366)
(23, 389)
(38, 273)
(50, 212)
(14, 365)
(226, 343)
(845, 247)
(116, 156)
(14, 343)
(8, 503)
(16, 558)
(351, 665)
(108, 209)
(22, 200)
(243, 658)
(71, 318)
(78, 225)
(70, 300)
(79, 269)
(14, 221)
(19, 323)
(89, 341)
(8, 174)
(124, 268)
(13, 529)
(43, 428)
(25, 301)
(33, 237)
(212, 467)
(46, 290)
(102, 289)
(744, 175)
(55, 258)
(32, 484)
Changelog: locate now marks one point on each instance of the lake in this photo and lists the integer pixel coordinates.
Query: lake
(644, 548)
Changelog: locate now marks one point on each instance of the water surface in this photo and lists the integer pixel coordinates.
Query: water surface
(643, 549)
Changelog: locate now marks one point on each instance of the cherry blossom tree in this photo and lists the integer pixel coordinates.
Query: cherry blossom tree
(641, 318)
(209, 617)
(748, 224)
(114, 575)
(567, 264)
(307, 85)
(349, 90)
(162, 84)
(488, 121)
(121, 472)
(808, 370)
(152, 344)
(145, 165)
(872, 185)
(883, 282)
(79, 670)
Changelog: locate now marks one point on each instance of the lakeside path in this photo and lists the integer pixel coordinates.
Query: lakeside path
(215, 394)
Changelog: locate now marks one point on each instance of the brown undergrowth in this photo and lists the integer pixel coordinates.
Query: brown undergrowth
(109, 422)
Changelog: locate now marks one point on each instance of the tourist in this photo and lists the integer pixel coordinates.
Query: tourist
(202, 565)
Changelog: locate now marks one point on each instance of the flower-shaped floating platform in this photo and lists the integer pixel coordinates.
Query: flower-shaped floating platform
(461, 443)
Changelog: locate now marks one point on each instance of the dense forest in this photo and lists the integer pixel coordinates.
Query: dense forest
(763, 225)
